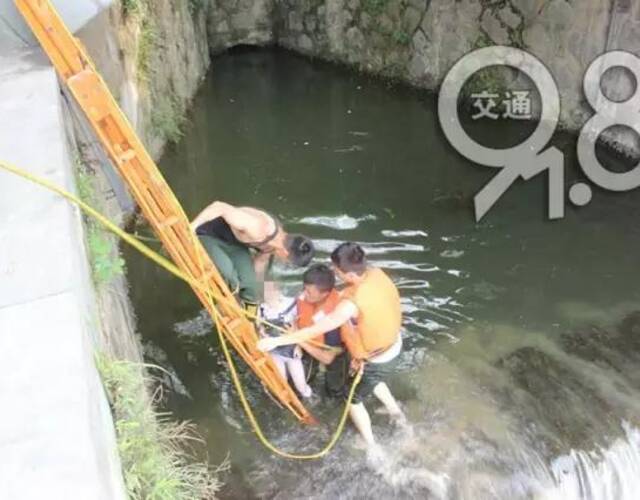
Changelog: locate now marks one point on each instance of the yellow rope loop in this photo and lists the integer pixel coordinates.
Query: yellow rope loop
(212, 297)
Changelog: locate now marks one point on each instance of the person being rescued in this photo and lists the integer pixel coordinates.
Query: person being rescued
(242, 242)
(372, 302)
(318, 299)
(281, 312)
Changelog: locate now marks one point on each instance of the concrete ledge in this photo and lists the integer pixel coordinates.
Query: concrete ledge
(54, 432)
(57, 439)
(14, 32)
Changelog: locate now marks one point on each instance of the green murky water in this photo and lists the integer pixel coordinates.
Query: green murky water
(517, 361)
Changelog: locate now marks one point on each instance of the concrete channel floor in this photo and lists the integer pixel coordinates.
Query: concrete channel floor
(56, 430)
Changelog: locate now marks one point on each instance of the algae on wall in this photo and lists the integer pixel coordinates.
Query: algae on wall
(153, 55)
(164, 45)
(418, 41)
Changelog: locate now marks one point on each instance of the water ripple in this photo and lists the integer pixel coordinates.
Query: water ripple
(326, 245)
(408, 233)
(340, 222)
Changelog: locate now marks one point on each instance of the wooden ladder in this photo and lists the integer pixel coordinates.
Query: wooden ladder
(152, 193)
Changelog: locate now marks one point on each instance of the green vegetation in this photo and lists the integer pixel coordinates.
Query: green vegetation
(130, 7)
(196, 6)
(401, 37)
(374, 7)
(139, 10)
(106, 264)
(104, 257)
(84, 183)
(491, 79)
(166, 113)
(167, 118)
(157, 455)
(482, 41)
(146, 43)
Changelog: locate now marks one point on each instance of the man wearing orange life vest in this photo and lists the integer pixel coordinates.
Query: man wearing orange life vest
(372, 302)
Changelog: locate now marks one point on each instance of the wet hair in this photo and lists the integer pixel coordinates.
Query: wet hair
(320, 276)
(300, 249)
(350, 258)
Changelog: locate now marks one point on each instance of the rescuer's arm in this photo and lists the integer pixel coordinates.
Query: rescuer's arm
(325, 357)
(343, 313)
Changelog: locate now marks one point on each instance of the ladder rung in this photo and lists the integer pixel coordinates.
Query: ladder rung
(232, 324)
(208, 275)
(127, 156)
(168, 222)
(86, 86)
(284, 395)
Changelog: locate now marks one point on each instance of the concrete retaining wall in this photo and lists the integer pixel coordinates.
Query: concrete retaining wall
(57, 438)
(15, 33)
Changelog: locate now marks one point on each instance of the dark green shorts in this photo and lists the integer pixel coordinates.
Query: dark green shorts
(336, 378)
(235, 264)
(374, 373)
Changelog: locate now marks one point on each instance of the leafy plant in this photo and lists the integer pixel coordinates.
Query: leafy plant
(401, 37)
(167, 119)
(156, 454)
(106, 263)
(84, 183)
(146, 43)
(105, 260)
(131, 7)
(375, 7)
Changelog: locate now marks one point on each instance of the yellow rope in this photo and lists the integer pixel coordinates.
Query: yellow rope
(173, 269)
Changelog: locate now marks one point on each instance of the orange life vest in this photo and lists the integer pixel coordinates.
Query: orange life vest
(379, 315)
(307, 310)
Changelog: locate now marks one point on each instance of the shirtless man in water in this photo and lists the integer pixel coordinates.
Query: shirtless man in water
(242, 242)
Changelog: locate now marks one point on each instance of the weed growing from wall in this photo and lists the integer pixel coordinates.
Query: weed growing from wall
(167, 118)
(157, 456)
(104, 256)
(130, 7)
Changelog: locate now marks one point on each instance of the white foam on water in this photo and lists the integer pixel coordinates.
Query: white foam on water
(177, 384)
(408, 233)
(449, 239)
(404, 266)
(412, 284)
(442, 304)
(611, 473)
(199, 326)
(371, 248)
(340, 222)
(387, 463)
(381, 248)
(356, 148)
(457, 273)
(426, 324)
(452, 254)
